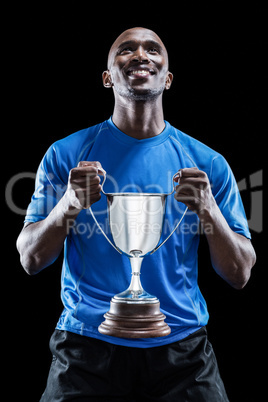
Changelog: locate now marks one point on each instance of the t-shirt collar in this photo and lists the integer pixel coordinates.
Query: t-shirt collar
(152, 141)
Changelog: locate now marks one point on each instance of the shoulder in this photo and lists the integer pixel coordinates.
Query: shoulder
(65, 153)
(200, 154)
(78, 141)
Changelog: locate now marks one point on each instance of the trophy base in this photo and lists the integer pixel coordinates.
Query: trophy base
(134, 320)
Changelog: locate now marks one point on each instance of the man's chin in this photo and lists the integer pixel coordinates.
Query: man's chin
(140, 94)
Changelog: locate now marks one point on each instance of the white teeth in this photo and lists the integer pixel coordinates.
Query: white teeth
(140, 72)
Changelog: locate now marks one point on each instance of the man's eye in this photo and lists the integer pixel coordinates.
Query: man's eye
(126, 50)
(153, 50)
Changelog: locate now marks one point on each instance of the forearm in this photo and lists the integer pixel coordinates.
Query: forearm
(232, 255)
(40, 243)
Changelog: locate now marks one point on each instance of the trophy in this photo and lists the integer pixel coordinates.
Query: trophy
(136, 221)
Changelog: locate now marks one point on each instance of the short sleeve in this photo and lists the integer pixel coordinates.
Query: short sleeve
(49, 188)
(227, 196)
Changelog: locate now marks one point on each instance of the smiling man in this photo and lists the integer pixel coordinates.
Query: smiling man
(140, 152)
(146, 81)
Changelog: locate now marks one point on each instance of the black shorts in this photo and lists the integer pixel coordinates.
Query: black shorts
(86, 369)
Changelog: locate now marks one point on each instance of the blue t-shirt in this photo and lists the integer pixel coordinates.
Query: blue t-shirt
(93, 272)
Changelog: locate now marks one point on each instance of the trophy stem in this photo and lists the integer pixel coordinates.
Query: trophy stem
(135, 292)
(135, 284)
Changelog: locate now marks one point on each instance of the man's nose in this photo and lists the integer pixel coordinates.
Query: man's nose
(141, 55)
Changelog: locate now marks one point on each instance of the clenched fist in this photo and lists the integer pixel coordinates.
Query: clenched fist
(194, 190)
(84, 185)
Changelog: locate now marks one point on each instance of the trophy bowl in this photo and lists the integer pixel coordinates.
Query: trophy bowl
(136, 221)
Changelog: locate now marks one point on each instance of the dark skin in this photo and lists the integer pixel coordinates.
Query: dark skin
(138, 50)
(138, 74)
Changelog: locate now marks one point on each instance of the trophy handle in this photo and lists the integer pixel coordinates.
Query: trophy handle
(95, 219)
(176, 227)
(104, 179)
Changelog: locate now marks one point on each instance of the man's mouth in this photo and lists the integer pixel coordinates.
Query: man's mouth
(140, 73)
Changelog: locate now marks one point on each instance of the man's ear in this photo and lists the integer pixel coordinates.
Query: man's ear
(169, 80)
(107, 79)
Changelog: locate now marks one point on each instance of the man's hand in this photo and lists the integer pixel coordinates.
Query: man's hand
(232, 254)
(194, 190)
(84, 185)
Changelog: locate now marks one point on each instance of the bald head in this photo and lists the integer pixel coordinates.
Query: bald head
(136, 34)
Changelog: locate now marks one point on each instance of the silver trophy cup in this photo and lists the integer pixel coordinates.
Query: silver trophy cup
(136, 221)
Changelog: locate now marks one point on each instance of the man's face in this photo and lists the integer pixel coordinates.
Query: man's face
(138, 65)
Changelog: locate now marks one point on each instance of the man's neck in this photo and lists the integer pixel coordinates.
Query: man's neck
(139, 119)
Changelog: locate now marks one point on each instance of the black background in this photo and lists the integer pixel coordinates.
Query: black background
(53, 60)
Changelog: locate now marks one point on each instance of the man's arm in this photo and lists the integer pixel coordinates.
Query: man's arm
(40, 243)
(232, 255)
